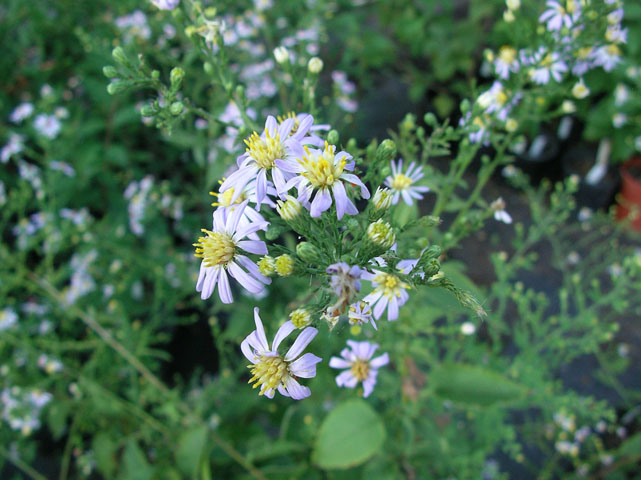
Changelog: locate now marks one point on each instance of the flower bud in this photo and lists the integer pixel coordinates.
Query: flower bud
(281, 54)
(208, 68)
(300, 318)
(579, 90)
(118, 86)
(508, 16)
(315, 65)
(147, 111)
(381, 234)
(308, 252)
(290, 209)
(568, 106)
(513, 4)
(176, 108)
(430, 119)
(382, 199)
(386, 151)
(176, 76)
(333, 137)
(511, 125)
(110, 71)
(267, 265)
(284, 265)
(119, 55)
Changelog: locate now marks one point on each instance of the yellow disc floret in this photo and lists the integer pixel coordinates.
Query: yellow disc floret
(282, 118)
(225, 199)
(390, 285)
(265, 150)
(322, 170)
(285, 265)
(401, 181)
(267, 265)
(215, 248)
(269, 373)
(360, 369)
(300, 318)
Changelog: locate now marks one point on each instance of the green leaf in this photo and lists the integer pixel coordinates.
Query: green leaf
(105, 449)
(190, 449)
(474, 385)
(631, 447)
(349, 435)
(135, 465)
(57, 419)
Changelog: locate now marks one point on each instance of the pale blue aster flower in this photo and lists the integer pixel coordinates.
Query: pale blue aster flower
(402, 182)
(359, 365)
(272, 372)
(221, 250)
(322, 174)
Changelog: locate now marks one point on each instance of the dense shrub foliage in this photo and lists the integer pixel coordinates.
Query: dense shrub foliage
(349, 205)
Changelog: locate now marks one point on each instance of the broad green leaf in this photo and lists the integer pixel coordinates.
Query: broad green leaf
(474, 385)
(632, 446)
(349, 435)
(105, 450)
(190, 449)
(403, 213)
(134, 463)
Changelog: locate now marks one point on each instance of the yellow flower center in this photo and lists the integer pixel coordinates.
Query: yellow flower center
(570, 6)
(225, 198)
(613, 50)
(390, 285)
(321, 170)
(284, 265)
(265, 150)
(215, 248)
(401, 181)
(584, 53)
(269, 373)
(282, 118)
(300, 318)
(360, 369)
(547, 60)
(507, 54)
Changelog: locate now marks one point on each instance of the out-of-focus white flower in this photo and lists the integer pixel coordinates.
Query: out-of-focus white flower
(166, 4)
(281, 54)
(500, 214)
(47, 125)
(468, 328)
(13, 146)
(560, 14)
(272, 372)
(315, 65)
(619, 119)
(8, 318)
(359, 365)
(22, 111)
(621, 94)
(580, 90)
(547, 65)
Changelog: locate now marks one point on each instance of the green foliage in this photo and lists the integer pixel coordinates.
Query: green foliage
(349, 435)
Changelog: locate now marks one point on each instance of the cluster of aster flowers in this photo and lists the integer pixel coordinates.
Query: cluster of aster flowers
(291, 176)
(569, 47)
